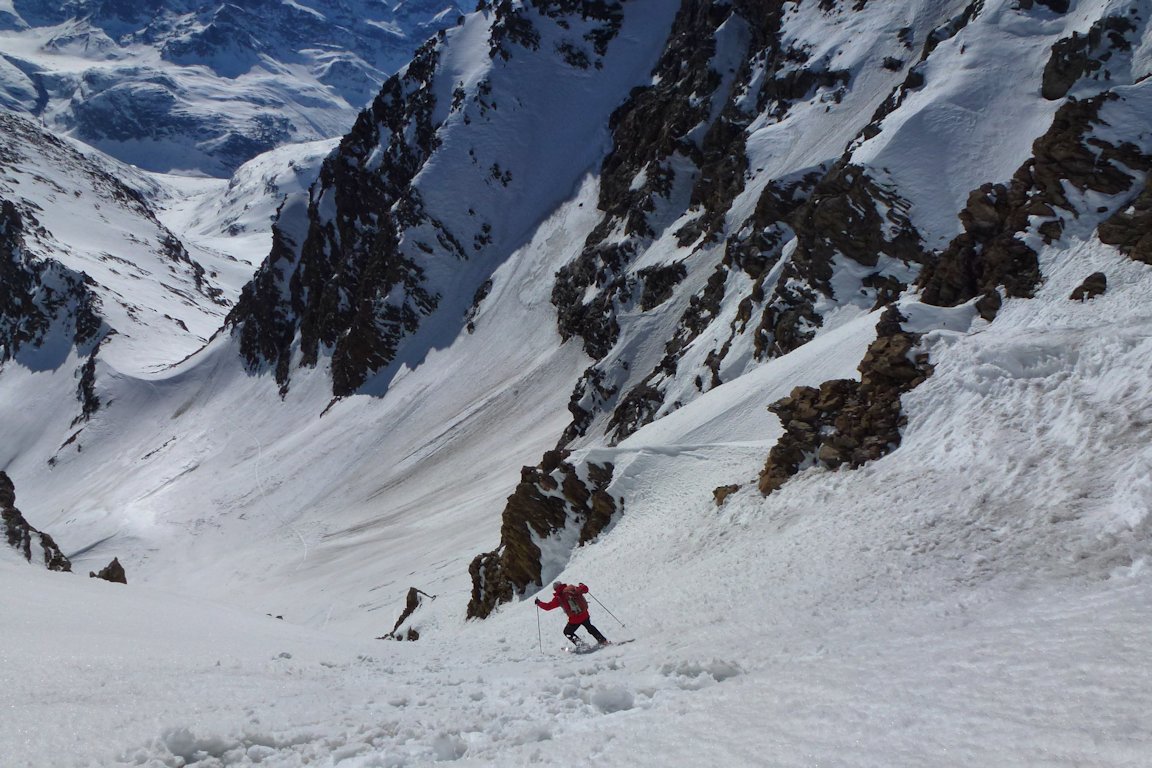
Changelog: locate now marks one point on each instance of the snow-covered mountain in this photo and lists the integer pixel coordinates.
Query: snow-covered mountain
(192, 86)
(812, 336)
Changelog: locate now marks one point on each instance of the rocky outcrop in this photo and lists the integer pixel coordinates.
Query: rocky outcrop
(992, 252)
(844, 422)
(678, 154)
(35, 546)
(673, 152)
(38, 296)
(1055, 6)
(557, 505)
(721, 493)
(512, 26)
(1089, 55)
(347, 286)
(1130, 228)
(844, 214)
(113, 572)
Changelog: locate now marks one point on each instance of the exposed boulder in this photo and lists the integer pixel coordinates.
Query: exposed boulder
(113, 572)
(845, 422)
(35, 546)
(37, 296)
(555, 502)
(721, 494)
(1093, 285)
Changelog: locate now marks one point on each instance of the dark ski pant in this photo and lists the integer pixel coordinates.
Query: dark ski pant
(570, 631)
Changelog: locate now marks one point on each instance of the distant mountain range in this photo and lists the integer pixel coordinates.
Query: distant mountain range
(201, 87)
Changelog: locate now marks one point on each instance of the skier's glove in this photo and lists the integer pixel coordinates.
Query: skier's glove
(537, 601)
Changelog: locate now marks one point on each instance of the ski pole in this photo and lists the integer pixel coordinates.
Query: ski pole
(606, 610)
(539, 636)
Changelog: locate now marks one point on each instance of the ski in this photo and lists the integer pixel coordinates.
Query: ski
(584, 648)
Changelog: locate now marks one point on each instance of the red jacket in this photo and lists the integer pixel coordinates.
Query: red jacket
(558, 601)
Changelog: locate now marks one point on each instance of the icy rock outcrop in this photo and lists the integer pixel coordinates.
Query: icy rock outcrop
(348, 286)
(35, 546)
(1130, 229)
(555, 508)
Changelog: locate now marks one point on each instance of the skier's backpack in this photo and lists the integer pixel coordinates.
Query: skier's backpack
(573, 601)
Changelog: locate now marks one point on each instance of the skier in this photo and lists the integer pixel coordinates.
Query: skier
(570, 597)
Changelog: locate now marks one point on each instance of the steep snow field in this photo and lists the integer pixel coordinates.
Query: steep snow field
(980, 597)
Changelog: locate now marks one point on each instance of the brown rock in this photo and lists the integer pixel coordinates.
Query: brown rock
(113, 572)
(722, 493)
(1093, 285)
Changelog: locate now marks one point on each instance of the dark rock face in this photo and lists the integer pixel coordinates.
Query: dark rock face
(34, 293)
(1056, 6)
(678, 146)
(655, 154)
(1088, 55)
(513, 26)
(846, 422)
(842, 214)
(337, 289)
(552, 501)
(113, 572)
(34, 545)
(991, 253)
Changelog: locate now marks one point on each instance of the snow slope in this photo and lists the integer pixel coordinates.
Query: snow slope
(977, 597)
(934, 607)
